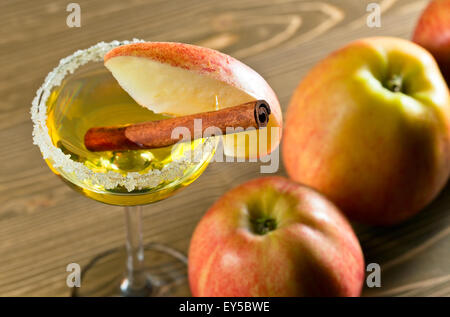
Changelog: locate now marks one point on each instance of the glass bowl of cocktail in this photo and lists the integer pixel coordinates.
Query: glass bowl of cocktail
(142, 82)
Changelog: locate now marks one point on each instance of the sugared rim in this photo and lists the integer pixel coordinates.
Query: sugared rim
(61, 161)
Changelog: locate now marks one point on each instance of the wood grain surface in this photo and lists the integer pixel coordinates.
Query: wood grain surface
(44, 225)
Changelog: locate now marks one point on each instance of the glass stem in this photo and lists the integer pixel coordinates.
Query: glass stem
(136, 282)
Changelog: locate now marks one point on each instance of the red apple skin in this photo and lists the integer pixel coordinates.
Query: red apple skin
(433, 33)
(212, 63)
(380, 156)
(312, 252)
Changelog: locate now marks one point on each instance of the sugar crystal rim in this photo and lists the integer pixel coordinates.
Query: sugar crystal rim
(61, 161)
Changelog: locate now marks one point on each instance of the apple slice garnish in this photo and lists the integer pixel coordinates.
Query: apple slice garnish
(181, 79)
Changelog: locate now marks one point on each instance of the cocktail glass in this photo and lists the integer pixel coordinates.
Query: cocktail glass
(63, 109)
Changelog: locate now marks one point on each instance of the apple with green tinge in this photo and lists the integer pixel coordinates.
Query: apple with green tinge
(274, 237)
(369, 127)
(433, 33)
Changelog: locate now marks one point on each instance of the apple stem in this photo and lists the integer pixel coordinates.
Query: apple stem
(263, 226)
(394, 83)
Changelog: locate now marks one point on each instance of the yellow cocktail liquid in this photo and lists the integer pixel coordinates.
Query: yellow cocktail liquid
(91, 98)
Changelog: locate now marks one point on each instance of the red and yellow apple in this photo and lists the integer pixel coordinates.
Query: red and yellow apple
(274, 237)
(181, 79)
(369, 127)
(433, 33)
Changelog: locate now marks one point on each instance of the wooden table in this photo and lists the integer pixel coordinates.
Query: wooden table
(44, 225)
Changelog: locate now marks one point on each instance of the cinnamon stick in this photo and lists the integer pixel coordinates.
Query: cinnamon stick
(156, 134)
